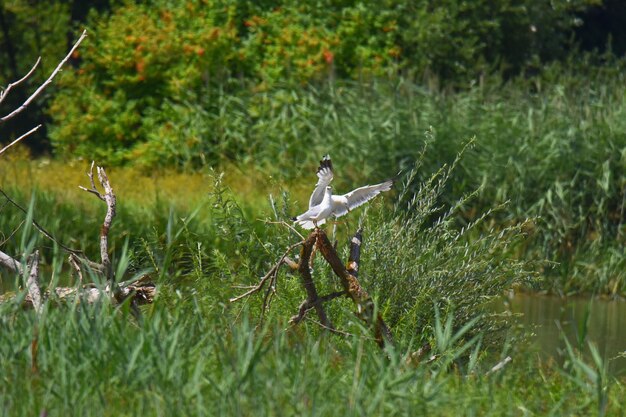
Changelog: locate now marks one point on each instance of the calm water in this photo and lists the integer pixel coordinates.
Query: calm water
(606, 325)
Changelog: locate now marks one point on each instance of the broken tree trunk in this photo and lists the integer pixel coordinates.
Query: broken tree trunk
(352, 287)
(312, 299)
(34, 292)
(347, 276)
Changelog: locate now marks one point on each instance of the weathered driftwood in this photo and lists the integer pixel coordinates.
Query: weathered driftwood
(10, 263)
(111, 201)
(32, 283)
(42, 86)
(347, 275)
(140, 294)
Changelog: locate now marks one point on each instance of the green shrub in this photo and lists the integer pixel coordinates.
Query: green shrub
(151, 70)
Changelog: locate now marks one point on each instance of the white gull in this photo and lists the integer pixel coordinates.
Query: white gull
(324, 204)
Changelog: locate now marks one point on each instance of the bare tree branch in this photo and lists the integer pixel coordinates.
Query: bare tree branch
(46, 83)
(5, 93)
(32, 282)
(351, 285)
(30, 132)
(39, 227)
(355, 253)
(272, 272)
(93, 190)
(10, 263)
(109, 198)
(306, 306)
(73, 260)
(312, 299)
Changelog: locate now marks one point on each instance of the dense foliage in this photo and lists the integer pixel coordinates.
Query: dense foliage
(194, 353)
(262, 89)
(145, 61)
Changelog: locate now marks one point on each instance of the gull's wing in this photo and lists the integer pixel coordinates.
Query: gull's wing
(359, 197)
(325, 176)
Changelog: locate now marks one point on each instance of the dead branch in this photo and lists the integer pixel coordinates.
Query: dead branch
(306, 306)
(30, 132)
(140, 294)
(45, 83)
(73, 261)
(10, 263)
(42, 230)
(5, 93)
(355, 253)
(312, 299)
(32, 283)
(347, 275)
(272, 272)
(109, 198)
(351, 285)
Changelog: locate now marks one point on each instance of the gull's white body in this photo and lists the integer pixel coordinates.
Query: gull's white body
(323, 204)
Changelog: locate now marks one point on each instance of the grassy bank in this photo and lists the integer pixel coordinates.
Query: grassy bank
(551, 148)
(190, 359)
(193, 353)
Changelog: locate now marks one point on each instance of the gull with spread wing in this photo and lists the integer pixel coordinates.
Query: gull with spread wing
(324, 204)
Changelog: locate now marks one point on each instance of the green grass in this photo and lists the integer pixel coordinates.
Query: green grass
(551, 148)
(186, 358)
(193, 353)
(437, 251)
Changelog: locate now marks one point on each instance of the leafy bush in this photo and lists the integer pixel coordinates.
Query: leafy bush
(139, 57)
(153, 69)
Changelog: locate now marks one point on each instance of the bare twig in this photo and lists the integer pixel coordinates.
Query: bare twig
(73, 260)
(273, 271)
(5, 93)
(32, 282)
(93, 190)
(287, 225)
(499, 365)
(291, 263)
(306, 306)
(46, 83)
(330, 329)
(39, 227)
(30, 132)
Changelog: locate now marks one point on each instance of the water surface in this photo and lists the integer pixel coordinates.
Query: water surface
(582, 320)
